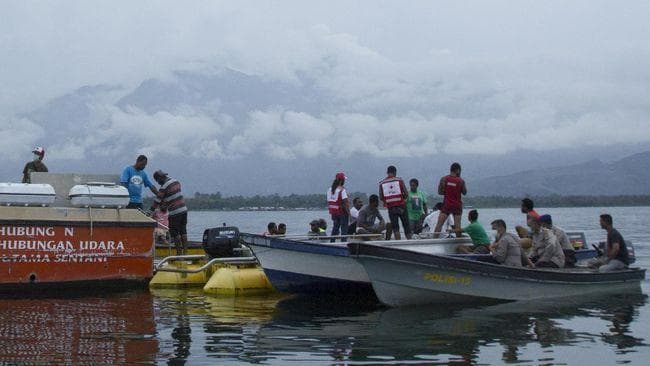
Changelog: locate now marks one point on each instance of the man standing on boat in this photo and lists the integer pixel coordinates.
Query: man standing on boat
(338, 205)
(36, 165)
(617, 255)
(170, 198)
(134, 178)
(451, 187)
(393, 193)
(416, 206)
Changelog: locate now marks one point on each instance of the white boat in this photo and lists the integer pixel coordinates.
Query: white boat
(26, 194)
(313, 266)
(401, 276)
(99, 194)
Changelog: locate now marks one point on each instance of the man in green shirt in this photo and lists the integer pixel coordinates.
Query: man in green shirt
(479, 237)
(416, 206)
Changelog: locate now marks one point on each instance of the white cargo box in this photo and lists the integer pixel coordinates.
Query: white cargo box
(99, 194)
(25, 194)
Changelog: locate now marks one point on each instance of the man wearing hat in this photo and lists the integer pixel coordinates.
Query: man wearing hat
(562, 240)
(546, 251)
(36, 165)
(170, 198)
(338, 205)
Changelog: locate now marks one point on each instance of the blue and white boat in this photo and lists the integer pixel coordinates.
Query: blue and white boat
(313, 265)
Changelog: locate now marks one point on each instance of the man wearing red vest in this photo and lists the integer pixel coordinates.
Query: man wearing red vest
(451, 187)
(393, 192)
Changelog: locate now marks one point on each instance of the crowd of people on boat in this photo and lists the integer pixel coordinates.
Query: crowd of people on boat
(542, 244)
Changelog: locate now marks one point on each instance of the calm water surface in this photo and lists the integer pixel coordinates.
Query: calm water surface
(186, 327)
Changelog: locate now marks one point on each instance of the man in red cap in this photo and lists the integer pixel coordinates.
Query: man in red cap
(36, 165)
(338, 205)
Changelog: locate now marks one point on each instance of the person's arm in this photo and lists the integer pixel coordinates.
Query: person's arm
(612, 250)
(549, 247)
(124, 179)
(147, 183)
(346, 201)
(26, 173)
(441, 186)
(405, 192)
(499, 250)
(464, 189)
(361, 220)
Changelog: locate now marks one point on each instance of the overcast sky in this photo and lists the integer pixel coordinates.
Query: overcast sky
(485, 76)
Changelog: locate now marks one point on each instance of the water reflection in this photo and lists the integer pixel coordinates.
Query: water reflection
(102, 330)
(443, 334)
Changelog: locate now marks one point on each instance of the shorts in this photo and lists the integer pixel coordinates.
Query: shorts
(451, 210)
(178, 225)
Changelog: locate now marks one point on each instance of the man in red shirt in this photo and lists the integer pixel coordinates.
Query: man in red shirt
(451, 187)
(393, 192)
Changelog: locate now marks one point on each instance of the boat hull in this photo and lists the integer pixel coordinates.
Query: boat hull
(402, 277)
(313, 267)
(76, 247)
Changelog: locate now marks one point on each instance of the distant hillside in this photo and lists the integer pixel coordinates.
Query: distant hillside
(628, 176)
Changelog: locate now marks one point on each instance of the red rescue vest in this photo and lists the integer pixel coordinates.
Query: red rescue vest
(392, 190)
(335, 202)
(453, 191)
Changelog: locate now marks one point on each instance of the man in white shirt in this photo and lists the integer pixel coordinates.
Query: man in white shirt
(357, 203)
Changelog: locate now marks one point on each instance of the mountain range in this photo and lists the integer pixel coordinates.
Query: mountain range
(238, 133)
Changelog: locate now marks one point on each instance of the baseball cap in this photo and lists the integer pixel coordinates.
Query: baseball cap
(341, 176)
(546, 219)
(38, 150)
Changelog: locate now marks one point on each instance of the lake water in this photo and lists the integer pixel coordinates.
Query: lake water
(179, 327)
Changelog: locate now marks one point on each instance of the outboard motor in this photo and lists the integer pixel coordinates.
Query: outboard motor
(221, 241)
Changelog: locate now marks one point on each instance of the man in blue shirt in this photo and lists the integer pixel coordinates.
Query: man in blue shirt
(134, 178)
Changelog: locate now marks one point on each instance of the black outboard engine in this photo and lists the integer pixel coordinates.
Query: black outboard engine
(221, 241)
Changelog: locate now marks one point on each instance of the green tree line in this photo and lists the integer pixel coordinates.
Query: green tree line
(217, 201)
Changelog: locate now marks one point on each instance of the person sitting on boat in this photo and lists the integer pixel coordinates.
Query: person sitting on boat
(357, 203)
(315, 229)
(134, 178)
(528, 209)
(282, 229)
(506, 249)
(271, 229)
(368, 216)
(416, 206)
(431, 220)
(452, 187)
(546, 252)
(322, 223)
(475, 230)
(562, 239)
(617, 256)
(393, 193)
(338, 205)
(170, 198)
(35, 165)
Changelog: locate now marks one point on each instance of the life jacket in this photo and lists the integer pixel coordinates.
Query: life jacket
(453, 191)
(392, 190)
(335, 201)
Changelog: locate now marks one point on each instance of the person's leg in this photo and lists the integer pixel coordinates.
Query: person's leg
(183, 232)
(336, 226)
(174, 232)
(394, 216)
(352, 228)
(404, 217)
(344, 226)
(457, 218)
(441, 220)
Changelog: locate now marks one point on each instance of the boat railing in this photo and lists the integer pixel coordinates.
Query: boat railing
(228, 260)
